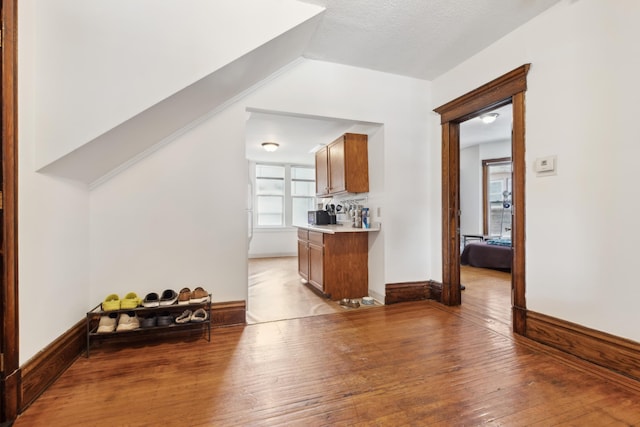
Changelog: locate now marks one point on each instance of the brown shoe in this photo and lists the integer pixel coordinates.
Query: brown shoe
(199, 295)
(184, 296)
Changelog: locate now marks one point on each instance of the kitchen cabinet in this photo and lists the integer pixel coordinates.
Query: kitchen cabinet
(334, 264)
(343, 166)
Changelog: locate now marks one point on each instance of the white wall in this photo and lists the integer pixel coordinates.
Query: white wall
(580, 106)
(177, 218)
(274, 242)
(470, 190)
(53, 223)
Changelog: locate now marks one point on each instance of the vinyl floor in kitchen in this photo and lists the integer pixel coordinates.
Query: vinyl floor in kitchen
(276, 292)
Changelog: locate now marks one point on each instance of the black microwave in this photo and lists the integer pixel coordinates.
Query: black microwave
(319, 217)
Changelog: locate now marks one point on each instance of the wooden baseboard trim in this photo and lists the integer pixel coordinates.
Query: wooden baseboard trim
(230, 313)
(37, 374)
(408, 291)
(45, 367)
(614, 353)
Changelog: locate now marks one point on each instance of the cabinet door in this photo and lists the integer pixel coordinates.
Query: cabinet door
(337, 182)
(316, 266)
(303, 259)
(322, 172)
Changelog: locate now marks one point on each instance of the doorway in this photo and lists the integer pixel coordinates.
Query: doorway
(507, 89)
(486, 214)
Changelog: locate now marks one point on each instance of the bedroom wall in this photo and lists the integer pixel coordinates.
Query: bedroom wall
(582, 88)
(178, 216)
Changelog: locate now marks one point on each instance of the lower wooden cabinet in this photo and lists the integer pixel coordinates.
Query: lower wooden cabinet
(335, 264)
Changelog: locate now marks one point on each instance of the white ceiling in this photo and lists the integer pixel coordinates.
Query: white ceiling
(415, 38)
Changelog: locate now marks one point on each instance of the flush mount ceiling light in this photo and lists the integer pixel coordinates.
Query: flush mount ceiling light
(489, 118)
(270, 146)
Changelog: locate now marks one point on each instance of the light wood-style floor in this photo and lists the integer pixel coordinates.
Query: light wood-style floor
(277, 293)
(409, 364)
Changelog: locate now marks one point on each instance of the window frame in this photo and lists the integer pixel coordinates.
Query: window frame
(287, 196)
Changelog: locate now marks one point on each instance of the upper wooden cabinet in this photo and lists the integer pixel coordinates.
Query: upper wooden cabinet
(343, 166)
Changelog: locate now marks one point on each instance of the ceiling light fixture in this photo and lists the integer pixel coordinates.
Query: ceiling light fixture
(270, 146)
(489, 118)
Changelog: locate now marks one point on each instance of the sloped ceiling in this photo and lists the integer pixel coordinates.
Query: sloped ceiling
(159, 124)
(415, 38)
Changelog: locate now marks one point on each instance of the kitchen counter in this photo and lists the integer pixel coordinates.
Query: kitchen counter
(340, 228)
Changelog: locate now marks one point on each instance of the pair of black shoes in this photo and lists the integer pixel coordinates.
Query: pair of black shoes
(153, 320)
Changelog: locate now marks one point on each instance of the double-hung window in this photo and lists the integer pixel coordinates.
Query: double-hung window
(284, 194)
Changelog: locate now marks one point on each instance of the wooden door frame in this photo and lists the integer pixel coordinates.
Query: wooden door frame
(9, 287)
(507, 89)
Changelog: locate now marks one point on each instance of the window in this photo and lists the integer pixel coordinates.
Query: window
(284, 194)
(497, 197)
(303, 190)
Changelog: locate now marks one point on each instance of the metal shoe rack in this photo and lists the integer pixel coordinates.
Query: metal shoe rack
(175, 310)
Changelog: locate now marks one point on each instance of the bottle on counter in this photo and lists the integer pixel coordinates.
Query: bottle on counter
(357, 217)
(365, 218)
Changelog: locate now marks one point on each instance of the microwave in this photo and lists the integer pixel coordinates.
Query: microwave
(319, 217)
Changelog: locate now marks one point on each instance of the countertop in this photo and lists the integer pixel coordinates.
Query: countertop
(340, 228)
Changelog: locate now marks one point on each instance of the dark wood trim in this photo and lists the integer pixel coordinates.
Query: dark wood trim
(614, 353)
(487, 97)
(9, 288)
(518, 237)
(37, 374)
(451, 214)
(228, 313)
(404, 292)
(507, 89)
(485, 190)
(45, 367)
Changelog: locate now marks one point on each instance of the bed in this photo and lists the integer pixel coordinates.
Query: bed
(496, 254)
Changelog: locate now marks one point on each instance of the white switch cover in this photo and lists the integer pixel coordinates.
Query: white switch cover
(545, 165)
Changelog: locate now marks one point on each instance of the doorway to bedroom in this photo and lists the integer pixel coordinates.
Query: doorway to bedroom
(507, 89)
(486, 185)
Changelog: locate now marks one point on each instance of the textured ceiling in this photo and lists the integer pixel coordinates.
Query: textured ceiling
(416, 38)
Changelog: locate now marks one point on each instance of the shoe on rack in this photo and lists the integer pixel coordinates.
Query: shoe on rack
(128, 322)
(149, 321)
(151, 300)
(199, 295)
(168, 297)
(129, 301)
(111, 302)
(200, 315)
(184, 317)
(164, 319)
(107, 323)
(185, 295)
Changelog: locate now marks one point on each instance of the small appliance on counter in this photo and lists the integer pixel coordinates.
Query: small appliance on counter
(331, 209)
(319, 217)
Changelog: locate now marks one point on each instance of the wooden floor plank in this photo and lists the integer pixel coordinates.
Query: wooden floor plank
(416, 363)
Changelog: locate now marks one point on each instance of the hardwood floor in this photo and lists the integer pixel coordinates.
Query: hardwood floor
(417, 363)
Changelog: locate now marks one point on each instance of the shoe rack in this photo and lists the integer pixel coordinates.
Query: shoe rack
(173, 310)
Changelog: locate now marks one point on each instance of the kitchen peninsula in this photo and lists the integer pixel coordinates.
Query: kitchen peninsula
(334, 259)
